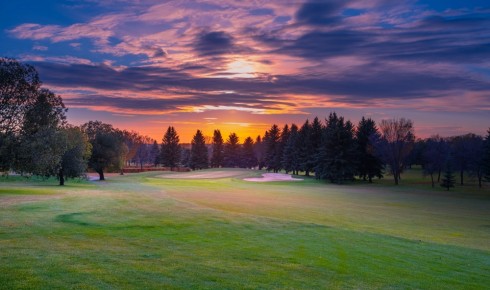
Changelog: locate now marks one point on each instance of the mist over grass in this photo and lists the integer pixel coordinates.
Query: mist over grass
(145, 231)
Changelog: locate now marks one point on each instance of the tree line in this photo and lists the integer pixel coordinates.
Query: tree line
(35, 138)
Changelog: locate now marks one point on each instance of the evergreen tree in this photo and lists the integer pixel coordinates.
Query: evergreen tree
(272, 145)
(232, 151)
(369, 164)
(248, 159)
(486, 157)
(259, 150)
(290, 156)
(337, 156)
(217, 156)
(304, 146)
(315, 142)
(448, 180)
(199, 152)
(170, 152)
(155, 153)
(282, 144)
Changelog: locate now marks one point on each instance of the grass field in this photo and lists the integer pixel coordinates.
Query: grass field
(148, 231)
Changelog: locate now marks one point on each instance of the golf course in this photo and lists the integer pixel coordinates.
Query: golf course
(211, 229)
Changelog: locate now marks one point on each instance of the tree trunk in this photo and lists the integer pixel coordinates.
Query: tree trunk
(461, 176)
(101, 174)
(307, 173)
(61, 177)
(432, 179)
(439, 176)
(370, 179)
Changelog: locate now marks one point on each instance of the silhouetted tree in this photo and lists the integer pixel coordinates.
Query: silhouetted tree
(315, 143)
(461, 152)
(336, 160)
(155, 153)
(448, 179)
(397, 139)
(304, 146)
(369, 164)
(170, 152)
(475, 161)
(199, 152)
(435, 157)
(248, 159)
(290, 156)
(259, 150)
(232, 151)
(272, 151)
(19, 90)
(218, 147)
(486, 157)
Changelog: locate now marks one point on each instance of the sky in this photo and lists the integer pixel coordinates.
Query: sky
(240, 66)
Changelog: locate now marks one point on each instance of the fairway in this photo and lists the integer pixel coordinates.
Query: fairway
(211, 229)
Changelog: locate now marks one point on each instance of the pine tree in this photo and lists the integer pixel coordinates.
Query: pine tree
(155, 154)
(315, 142)
(217, 156)
(232, 151)
(272, 145)
(369, 164)
(170, 152)
(304, 146)
(448, 179)
(337, 156)
(199, 152)
(248, 159)
(486, 157)
(290, 156)
(259, 150)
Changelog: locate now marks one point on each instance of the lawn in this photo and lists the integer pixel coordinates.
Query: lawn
(148, 231)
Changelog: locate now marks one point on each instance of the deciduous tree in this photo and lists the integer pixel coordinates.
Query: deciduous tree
(397, 139)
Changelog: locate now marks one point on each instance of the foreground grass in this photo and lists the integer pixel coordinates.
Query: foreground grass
(141, 231)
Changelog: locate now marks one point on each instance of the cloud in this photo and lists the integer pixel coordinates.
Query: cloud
(214, 43)
(320, 12)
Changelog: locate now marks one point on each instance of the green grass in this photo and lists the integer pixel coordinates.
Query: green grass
(142, 231)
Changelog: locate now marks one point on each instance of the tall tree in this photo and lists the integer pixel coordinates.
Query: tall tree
(74, 160)
(486, 157)
(397, 139)
(259, 150)
(247, 158)
(170, 148)
(232, 151)
(19, 85)
(218, 147)
(155, 153)
(41, 153)
(107, 146)
(41, 143)
(199, 152)
(272, 145)
(304, 146)
(369, 164)
(315, 142)
(290, 155)
(337, 156)
(461, 152)
(435, 157)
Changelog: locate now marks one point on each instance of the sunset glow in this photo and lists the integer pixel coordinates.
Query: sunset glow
(242, 66)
